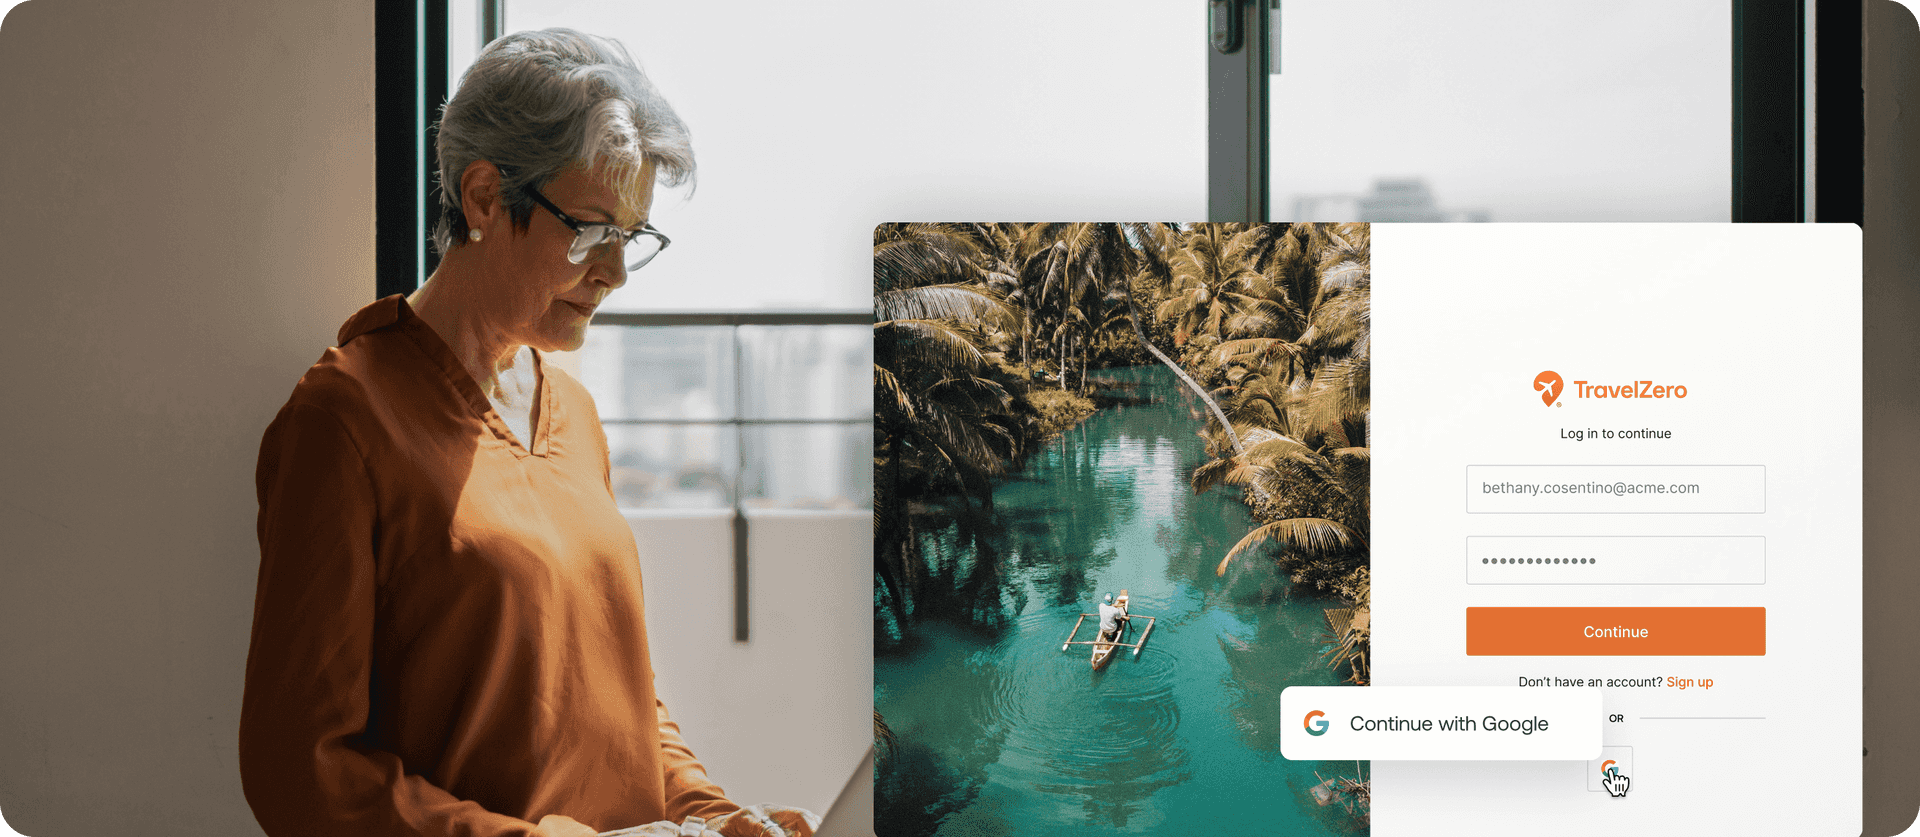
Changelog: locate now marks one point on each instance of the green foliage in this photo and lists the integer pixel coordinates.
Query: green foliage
(985, 333)
(954, 305)
(1272, 319)
(1059, 409)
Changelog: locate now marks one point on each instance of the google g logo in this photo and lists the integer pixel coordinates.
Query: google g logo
(1317, 722)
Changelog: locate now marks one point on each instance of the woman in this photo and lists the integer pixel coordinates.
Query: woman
(448, 633)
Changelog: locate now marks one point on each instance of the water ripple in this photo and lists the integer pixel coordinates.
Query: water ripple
(1065, 725)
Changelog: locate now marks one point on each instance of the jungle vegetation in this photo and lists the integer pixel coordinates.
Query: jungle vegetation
(985, 335)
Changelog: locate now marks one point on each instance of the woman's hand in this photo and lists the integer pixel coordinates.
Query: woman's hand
(751, 821)
(555, 825)
(766, 821)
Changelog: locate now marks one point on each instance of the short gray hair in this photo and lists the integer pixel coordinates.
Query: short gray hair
(535, 103)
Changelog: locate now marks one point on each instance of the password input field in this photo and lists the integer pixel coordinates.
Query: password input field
(1617, 559)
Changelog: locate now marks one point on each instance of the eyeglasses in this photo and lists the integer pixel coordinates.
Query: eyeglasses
(592, 240)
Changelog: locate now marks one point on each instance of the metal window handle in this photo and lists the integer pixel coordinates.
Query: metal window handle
(1223, 19)
(1273, 37)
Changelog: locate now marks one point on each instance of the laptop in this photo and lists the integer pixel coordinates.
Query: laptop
(852, 812)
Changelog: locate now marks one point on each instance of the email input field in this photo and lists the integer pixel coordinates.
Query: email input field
(1617, 559)
(1616, 489)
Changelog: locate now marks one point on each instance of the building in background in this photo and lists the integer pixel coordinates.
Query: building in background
(699, 416)
(1406, 199)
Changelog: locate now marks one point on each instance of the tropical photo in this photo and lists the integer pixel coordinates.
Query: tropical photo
(1120, 503)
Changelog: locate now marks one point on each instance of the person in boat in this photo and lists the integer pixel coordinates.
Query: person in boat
(1111, 618)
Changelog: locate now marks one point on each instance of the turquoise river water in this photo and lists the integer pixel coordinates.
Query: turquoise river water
(1002, 733)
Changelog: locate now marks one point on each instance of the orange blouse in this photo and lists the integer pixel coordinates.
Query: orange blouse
(448, 635)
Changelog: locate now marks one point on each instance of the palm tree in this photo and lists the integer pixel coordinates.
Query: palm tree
(1351, 631)
(1217, 288)
(931, 395)
(1140, 333)
(935, 408)
(1000, 246)
(1159, 255)
(1065, 266)
(1298, 391)
(1318, 504)
(914, 255)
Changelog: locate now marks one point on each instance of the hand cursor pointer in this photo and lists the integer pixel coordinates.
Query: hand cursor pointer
(1615, 783)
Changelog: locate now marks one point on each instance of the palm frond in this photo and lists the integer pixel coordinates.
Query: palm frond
(937, 302)
(912, 255)
(1310, 535)
(891, 400)
(904, 345)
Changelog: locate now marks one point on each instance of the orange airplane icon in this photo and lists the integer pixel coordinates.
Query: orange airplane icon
(1548, 385)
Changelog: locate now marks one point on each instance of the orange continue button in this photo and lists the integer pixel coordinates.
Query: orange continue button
(1617, 631)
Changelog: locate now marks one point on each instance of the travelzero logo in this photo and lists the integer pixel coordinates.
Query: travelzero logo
(1551, 386)
(1548, 385)
(1317, 722)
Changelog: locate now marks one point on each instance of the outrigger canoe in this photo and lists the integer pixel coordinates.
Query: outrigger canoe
(1105, 642)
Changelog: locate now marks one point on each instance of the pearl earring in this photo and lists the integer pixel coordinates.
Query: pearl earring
(474, 233)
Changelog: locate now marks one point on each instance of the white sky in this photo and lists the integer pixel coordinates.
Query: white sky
(813, 122)
(1537, 111)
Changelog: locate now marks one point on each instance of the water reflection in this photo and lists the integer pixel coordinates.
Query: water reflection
(1002, 732)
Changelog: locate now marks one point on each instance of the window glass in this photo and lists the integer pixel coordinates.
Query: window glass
(812, 122)
(660, 372)
(673, 466)
(667, 396)
(808, 466)
(1502, 110)
(817, 372)
(463, 42)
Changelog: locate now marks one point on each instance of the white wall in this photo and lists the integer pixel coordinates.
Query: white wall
(785, 717)
(188, 217)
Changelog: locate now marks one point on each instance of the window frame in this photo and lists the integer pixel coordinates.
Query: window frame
(738, 423)
(410, 59)
(1776, 113)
